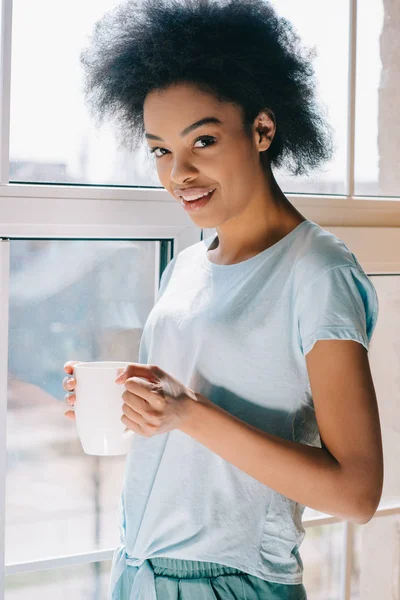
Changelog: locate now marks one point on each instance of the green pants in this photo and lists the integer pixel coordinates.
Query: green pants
(194, 580)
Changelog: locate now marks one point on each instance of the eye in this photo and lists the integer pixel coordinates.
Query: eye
(204, 138)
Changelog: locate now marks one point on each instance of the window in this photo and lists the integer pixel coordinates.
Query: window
(90, 300)
(70, 233)
(88, 580)
(378, 63)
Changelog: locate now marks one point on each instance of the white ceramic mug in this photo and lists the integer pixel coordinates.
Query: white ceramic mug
(98, 408)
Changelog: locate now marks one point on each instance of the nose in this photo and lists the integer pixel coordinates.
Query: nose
(183, 170)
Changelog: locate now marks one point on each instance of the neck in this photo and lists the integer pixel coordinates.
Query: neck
(268, 217)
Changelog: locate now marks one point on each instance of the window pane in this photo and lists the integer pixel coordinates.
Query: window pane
(321, 552)
(69, 300)
(385, 343)
(376, 559)
(378, 92)
(320, 24)
(89, 581)
(53, 139)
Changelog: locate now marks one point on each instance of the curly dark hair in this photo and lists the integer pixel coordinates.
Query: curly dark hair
(239, 50)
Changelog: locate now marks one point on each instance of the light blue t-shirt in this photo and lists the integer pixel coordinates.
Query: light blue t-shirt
(238, 334)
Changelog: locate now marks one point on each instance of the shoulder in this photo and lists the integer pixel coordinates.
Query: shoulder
(319, 251)
(335, 298)
(322, 250)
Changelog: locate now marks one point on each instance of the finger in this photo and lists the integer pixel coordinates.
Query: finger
(69, 366)
(68, 383)
(137, 403)
(142, 428)
(135, 428)
(133, 415)
(149, 372)
(139, 410)
(70, 399)
(70, 415)
(149, 422)
(153, 393)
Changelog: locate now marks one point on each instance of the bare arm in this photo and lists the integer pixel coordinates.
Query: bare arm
(344, 478)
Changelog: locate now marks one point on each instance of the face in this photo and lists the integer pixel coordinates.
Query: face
(212, 155)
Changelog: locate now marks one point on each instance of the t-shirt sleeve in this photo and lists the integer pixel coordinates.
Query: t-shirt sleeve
(341, 303)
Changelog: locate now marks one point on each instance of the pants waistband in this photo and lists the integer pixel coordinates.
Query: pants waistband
(189, 569)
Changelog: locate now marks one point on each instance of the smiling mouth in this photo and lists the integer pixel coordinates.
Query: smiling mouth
(190, 194)
(196, 204)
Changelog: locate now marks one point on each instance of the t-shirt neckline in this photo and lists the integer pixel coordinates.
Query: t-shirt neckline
(211, 266)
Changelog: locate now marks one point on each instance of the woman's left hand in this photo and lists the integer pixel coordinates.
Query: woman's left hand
(154, 402)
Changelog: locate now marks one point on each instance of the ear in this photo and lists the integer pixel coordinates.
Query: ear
(264, 129)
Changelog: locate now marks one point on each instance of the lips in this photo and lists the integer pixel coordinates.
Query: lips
(192, 193)
(195, 205)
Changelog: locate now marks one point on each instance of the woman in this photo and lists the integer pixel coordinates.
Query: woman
(253, 396)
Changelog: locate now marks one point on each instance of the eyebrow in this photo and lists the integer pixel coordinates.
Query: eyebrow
(205, 121)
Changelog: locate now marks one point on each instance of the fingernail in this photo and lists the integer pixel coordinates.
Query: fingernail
(120, 377)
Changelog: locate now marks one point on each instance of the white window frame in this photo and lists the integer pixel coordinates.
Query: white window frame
(370, 226)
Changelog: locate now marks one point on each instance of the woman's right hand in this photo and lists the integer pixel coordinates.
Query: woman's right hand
(68, 384)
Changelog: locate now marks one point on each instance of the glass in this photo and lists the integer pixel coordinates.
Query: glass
(321, 24)
(69, 300)
(377, 140)
(84, 582)
(52, 136)
(385, 343)
(376, 559)
(53, 139)
(321, 552)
